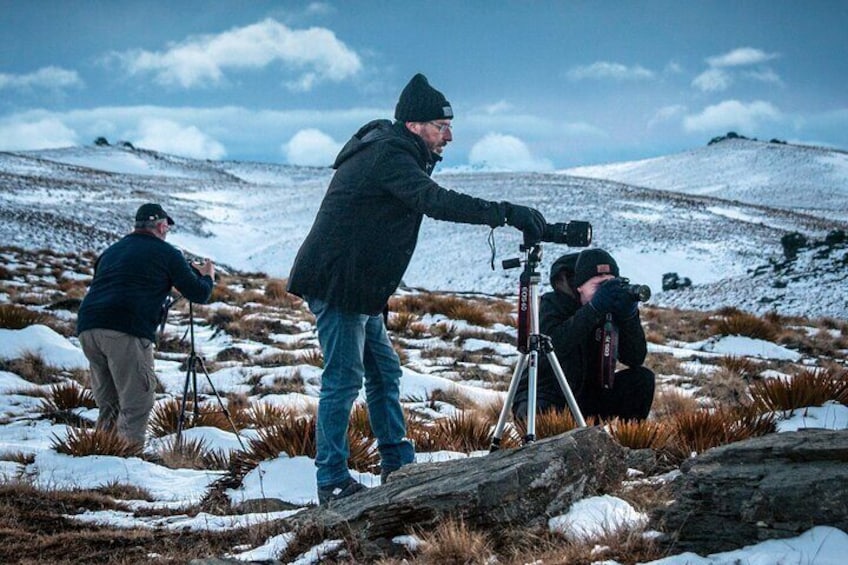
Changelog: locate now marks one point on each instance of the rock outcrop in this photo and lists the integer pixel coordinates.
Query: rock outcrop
(775, 486)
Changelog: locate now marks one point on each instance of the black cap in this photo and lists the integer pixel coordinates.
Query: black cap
(591, 263)
(420, 102)
(151, 212)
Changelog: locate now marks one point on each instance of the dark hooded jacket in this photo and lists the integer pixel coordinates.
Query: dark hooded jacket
(572, 328)
(367, 226)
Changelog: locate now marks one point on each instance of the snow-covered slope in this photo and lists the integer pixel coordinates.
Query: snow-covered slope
(774, 174)
(253, 216)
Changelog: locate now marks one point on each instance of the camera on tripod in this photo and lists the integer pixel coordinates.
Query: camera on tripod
(638, 292)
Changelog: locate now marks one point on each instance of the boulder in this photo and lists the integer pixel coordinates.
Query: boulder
(770, 487)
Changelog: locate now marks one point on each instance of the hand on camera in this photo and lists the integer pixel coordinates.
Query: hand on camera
(613, 298)
(207, 268)
(530, 221)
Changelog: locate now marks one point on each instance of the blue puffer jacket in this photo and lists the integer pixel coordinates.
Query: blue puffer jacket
(367, 227)
(132, 278)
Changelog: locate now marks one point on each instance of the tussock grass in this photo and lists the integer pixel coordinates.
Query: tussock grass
(279, 385)
(67, 396)
(452, 395)
(263, 414)
(549, 423)
(33, 368)
(14, 317)
(669, 402)
(452, 542)
(698, 431)
(192, 454)
(313, 357)
(18, 457)
(463, 431)
(476, 311)
(725, 387)
(165, 416)
(645, 434)
(672, 324)
(734, 322)
(295, 435)
(123, 491)
(95, 441)
(807, 388)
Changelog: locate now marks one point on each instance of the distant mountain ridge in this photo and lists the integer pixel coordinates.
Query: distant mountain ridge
(715, 214)
(794, 177)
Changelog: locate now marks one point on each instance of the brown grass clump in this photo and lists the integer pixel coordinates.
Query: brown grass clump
(164, 419)
(807, 388)
(96, 441)
(296, 436)
(263, 414)
(14, 317)
(360, 423)
(67, 396)
(696, 432)
(313, 357)
(734, 322)
(453, 396)
(666, 324)
(645, 434)
(464, 431)
(192, 454)
(276, 293)
(668, 402)
(724, 386)
(452, 542)
(122, 491)
(33, 368)
(549, 423)
(279, 384)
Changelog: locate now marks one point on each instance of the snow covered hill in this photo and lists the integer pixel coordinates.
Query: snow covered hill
(690, 218)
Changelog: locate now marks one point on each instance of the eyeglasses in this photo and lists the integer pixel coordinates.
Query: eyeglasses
(441, 127)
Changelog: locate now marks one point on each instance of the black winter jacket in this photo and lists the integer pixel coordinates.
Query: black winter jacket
(572, 328)
(367, 226)
(132, 278)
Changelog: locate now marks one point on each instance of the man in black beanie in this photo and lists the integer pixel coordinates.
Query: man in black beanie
(354, 258)
(586, 292)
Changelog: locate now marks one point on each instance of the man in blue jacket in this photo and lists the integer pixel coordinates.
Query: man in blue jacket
(354, 258)
(117, 320)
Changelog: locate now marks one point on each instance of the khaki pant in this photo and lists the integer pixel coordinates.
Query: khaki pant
(122, 380)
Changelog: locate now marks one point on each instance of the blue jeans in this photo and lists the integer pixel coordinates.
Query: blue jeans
(356, 347)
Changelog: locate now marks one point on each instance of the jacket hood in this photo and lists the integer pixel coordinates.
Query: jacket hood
(384, 130)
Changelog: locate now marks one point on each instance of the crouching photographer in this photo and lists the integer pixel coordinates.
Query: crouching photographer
(592, 318)
(117, 320)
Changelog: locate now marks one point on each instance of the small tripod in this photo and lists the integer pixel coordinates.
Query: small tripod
(530, 343)
(194, 360)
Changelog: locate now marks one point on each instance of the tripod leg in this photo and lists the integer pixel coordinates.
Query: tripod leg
(510, 397)
(532, 380)
(220, 402)
(566, 390)
(182, 416)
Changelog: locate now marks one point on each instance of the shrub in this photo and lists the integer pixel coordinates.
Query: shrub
(95, 441)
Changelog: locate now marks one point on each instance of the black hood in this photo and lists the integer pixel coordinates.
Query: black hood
(565, 263)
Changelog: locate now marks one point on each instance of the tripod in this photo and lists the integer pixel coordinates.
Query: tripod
(530, 344)
(194, 360)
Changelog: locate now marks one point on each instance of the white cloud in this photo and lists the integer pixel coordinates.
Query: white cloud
(607, 70)
(732, 114)
(666, 113)
(741, 57)
(37, 134)
(499, 107)
(315, 54)
(171, 137)
(54, 78)
(713, 80)
(311, 147)
(500, 152)
(767, 76)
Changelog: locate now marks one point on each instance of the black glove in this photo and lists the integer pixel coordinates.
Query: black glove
(530, 221)
(612, 298)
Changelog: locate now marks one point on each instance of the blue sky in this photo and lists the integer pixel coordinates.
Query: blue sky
(534, 85)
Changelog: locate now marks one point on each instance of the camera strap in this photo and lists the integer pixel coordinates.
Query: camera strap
(607, 336)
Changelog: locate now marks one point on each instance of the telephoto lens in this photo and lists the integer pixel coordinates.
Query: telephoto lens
(573, 234)
(639, 292)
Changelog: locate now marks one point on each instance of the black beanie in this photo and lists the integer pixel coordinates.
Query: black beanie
(591, 263)
(420, 102)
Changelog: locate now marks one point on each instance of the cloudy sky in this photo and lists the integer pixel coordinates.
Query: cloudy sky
(534, 85)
